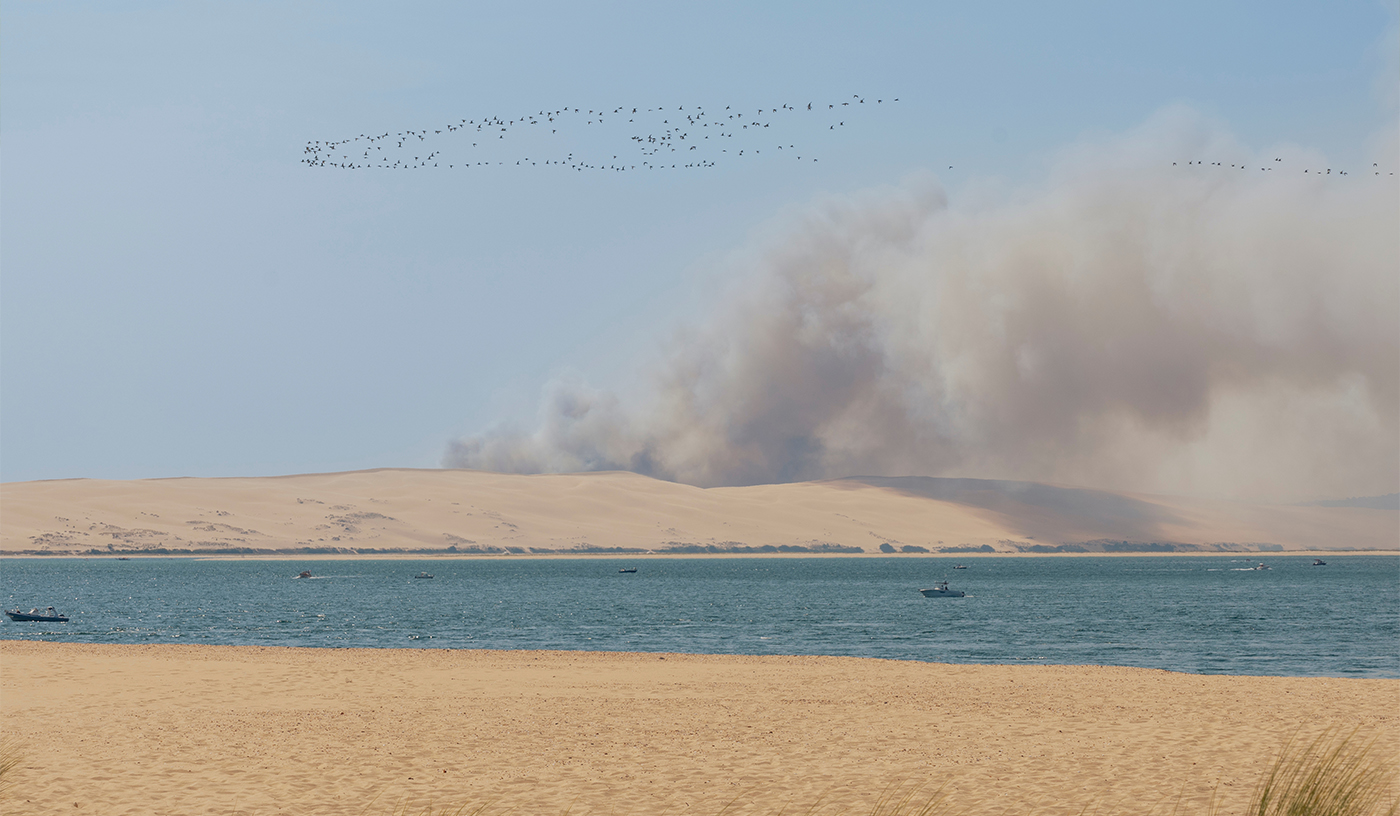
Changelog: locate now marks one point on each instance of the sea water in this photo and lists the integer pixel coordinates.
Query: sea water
(1210, 615)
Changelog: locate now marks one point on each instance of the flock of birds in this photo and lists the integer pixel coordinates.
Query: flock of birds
(662, 138)
(1375, 167)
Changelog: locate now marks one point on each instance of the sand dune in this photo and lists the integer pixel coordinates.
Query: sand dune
(393, 509)
(251, 730)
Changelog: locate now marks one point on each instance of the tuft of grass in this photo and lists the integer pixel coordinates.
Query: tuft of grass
(9, 760)
(899, 799)
(1335, 774)
(10, 756)
(403, 808)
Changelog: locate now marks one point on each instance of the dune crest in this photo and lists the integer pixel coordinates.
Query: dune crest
(389, 510)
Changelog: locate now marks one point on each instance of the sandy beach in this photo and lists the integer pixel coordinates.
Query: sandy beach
(248, 730)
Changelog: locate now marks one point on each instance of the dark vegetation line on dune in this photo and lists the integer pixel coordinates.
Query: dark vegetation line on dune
(1097, 546)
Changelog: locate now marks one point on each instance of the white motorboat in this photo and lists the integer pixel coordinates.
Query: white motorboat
(37, 616)
(941, 590)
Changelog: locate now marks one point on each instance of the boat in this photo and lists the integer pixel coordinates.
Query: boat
(632, 569)
(1261, 566)
(1318, 562)
(47, 616)
(941, 590)
(960, 566)
(305, 574)
(424, 575)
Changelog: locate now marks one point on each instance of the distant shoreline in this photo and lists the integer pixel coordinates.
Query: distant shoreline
(665, 556)
(471, 514)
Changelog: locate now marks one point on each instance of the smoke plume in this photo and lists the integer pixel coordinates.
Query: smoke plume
(1140, 321)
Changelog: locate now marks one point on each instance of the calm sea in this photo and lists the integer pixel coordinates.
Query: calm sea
(1189, 614)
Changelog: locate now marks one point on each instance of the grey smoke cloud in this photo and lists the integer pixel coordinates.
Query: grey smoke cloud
(1128, 324)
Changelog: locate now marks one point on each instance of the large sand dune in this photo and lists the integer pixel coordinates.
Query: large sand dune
(398, 509)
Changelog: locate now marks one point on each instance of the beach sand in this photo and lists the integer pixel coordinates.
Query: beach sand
(167, 729)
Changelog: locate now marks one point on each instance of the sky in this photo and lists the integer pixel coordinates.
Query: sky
(183, 294)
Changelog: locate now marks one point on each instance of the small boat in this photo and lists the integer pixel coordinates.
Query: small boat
(960, 566)
(424, 575)
(941, 590)
(631, 569)
(1261, 566)
(1318, 562)
(305, 574)
(47, 616)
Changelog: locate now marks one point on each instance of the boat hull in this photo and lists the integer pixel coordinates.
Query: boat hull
(943, 593)
(21, 617)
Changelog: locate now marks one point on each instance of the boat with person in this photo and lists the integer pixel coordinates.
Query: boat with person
(1318, 562)
(46, 616)
(941, 590)
(628, 569)
(424, 575)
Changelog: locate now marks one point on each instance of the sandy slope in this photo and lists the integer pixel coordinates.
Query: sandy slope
(247, 730)
(394, 508)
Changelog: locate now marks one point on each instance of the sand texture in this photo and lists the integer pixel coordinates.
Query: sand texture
(469, 510)
(248, 730)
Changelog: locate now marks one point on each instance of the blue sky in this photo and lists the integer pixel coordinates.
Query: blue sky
(179, 295)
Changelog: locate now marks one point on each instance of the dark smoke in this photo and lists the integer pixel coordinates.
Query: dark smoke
(1131, 324)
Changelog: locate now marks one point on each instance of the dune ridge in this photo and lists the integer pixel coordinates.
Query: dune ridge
(462, 511)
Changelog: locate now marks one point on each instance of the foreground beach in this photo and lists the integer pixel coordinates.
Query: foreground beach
(250, 730)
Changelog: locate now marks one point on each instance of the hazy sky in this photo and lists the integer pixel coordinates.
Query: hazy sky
(180, 295)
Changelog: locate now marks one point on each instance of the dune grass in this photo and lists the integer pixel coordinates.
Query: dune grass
(9, 761)
(1333, 774)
